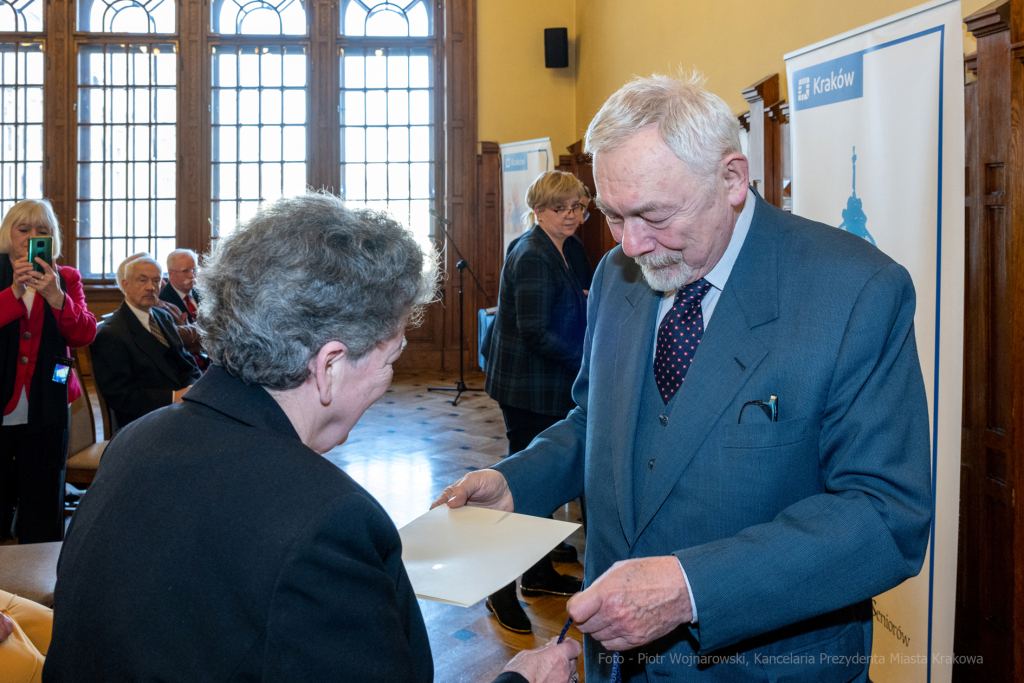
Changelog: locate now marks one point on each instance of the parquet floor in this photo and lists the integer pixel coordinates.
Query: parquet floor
(405, 450)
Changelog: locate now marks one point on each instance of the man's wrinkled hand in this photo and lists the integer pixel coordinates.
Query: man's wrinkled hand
(553, 663)
(633, 603)
(482, 488)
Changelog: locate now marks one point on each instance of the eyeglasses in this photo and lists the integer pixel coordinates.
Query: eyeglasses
(191, 271)
(561, 211)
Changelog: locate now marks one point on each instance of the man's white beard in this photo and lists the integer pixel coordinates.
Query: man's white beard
(664, 272)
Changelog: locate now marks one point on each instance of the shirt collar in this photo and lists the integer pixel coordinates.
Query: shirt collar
(142, 315)
(183, 294)
(719, 275)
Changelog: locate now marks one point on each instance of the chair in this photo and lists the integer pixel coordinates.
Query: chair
(83, 359)
(484, 320)
(84, 452)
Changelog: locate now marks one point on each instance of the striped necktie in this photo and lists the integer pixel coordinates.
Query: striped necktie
(157, 332)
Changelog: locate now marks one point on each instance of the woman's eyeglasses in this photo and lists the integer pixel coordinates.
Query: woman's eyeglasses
(561, 211)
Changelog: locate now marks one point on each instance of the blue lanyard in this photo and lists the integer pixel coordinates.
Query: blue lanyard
(616, 673)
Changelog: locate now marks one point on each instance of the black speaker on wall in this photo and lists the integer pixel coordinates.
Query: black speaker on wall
(556, 48)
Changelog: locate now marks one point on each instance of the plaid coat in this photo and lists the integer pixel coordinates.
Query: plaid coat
(537, 343)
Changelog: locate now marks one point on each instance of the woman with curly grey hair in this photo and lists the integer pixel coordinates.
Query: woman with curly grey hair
(215, 540)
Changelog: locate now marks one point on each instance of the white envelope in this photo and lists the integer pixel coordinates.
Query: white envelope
(463, 555)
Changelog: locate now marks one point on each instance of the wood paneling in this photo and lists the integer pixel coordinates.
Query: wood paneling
(597, 238)
(764, 149)
(990, 583)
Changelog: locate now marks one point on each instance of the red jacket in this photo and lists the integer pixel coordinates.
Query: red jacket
(76, 324)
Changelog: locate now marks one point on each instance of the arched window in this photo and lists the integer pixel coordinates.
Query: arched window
(126, 16)
(126, 116)
(388, 109)
(258, 107)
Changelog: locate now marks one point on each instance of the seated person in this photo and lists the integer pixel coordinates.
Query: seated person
(216, 543)
(24, 638)
(180, 299)
(181, 274)
(139, 360)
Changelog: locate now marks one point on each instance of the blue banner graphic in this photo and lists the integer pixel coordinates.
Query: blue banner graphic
(833, 81)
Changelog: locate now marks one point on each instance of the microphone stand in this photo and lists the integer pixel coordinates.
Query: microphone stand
(460, 387)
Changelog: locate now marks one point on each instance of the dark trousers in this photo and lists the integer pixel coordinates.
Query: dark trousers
(523, 426)
(32, 462)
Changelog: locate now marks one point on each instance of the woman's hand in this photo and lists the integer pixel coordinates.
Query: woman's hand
(22, 274)
(47, 284)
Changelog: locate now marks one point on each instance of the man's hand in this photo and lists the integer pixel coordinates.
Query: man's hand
(7, 628)
(633, 603)
(177, 315)
(482, 488)
(553, 663)
(179, 393)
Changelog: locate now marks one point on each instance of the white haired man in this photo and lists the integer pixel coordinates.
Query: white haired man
(752, 478)
(181, 275)
(139, 360)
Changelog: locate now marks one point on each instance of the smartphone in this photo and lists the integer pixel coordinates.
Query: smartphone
(61, 370)
(41, 247)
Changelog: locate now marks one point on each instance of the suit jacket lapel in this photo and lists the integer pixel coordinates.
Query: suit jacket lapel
(148, 344)
(729, 353)
(632, 357)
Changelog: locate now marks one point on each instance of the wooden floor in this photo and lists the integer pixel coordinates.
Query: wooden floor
(405, 450)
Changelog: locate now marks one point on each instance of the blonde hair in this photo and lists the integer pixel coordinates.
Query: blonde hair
(30, 210)
(695, 124)
(548, 189)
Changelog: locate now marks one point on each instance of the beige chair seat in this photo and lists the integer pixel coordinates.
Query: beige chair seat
(88, 459)
(30, 570)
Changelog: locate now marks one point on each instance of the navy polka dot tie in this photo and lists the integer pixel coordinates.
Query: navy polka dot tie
(678, 337)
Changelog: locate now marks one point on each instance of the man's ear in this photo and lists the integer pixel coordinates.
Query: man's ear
(329, 367)
(737, 178)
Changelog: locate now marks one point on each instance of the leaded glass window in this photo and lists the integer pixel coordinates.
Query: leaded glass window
(126, 16)
(127, 152)
(21, 123)
(258, 116)
(21, 16)
(388, 133)
(258, 17)
(397, 18)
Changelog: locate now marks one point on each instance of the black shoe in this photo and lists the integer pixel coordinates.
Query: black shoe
(504, 605)
(563, 552)
(546, 581)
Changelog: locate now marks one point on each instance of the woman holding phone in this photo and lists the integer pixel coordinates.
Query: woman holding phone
(42, 313)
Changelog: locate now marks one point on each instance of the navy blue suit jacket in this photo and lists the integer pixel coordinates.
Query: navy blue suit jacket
(785, 530)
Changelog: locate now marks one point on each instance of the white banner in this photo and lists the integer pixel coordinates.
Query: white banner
(521, 163)
(878, 150)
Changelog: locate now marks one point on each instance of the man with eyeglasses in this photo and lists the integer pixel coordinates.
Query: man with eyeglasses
(181, 273)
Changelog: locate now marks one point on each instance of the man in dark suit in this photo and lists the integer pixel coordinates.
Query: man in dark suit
(752, 478)
(180, 293)
(138, 357)
(181, 275)
(216, 543)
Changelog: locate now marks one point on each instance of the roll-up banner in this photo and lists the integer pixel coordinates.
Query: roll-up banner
(877, 124)
(521, 163)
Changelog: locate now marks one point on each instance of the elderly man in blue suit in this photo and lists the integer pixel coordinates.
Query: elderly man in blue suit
(751, 426)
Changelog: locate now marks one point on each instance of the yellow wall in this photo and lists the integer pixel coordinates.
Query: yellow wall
(733, 42)
(519, 99)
